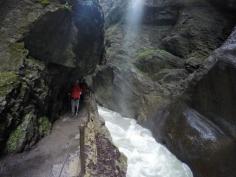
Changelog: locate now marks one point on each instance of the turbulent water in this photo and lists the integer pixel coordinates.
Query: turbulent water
(146, 157)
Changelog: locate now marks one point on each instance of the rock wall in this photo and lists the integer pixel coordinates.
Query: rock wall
(101, 157)
(173, 40)
(198, 126)
(44, 46)
(169, 79)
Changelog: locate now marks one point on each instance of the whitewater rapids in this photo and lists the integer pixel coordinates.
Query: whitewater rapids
(146, 157)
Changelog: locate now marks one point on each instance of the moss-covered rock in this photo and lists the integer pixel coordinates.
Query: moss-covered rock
(44, 126)
(15, 138)
(148, 53)
(7, 82)
(151, 61)
(13, 57)
(18, 138)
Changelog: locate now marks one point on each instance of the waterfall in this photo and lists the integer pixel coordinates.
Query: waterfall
(135, 12)
(133, 20)
(146, 157)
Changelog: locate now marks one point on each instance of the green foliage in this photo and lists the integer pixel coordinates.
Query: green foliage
(7, 81)
(44, 126)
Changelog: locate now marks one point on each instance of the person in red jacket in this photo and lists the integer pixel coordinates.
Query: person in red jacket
(75, 97)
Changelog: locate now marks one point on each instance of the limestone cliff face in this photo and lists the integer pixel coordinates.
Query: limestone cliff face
(44, 46)
(173, 40)
(168, 78)
(199, 124)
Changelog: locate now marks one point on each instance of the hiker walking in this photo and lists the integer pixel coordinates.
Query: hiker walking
(75, 98)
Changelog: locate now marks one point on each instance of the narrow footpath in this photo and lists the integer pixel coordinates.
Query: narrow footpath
(56, 155)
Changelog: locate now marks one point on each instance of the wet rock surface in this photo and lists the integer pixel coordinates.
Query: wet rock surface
(186, 96)
(42, 52)
(161, 70)
(156, 56)
(199, 126)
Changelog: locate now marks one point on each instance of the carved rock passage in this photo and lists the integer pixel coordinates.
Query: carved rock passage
(42, 52)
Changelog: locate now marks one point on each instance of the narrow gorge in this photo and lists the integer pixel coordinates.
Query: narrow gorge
(160, 88)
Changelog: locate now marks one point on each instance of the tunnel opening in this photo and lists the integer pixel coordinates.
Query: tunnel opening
(67, 53)
(71, 44)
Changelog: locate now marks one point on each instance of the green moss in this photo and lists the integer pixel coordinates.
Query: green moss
(14, 139)
(17, 49)
(7, 82)
(14, 57)
(44, 126)
(149, 52)
(18, 137)
(44, 2)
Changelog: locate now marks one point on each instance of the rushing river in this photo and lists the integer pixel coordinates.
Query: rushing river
(146, 157)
